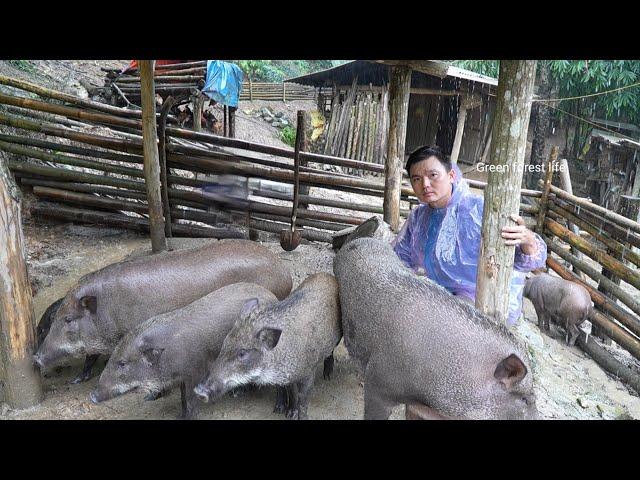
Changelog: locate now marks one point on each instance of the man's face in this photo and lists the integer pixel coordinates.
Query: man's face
(431, 182)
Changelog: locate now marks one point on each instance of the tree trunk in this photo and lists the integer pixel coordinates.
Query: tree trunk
(515, 89)
(151, 156)
(22, 387)
(540, 119)
(399, 86)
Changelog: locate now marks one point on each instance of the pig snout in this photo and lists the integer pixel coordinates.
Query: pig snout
(209, 391)
(202, 392)
(37, 360)
(93, 396)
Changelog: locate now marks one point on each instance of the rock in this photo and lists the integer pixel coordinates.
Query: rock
(276, 123)
(284, 122)
(266, 112)
(247, 112)
(4, 409)
(279, 115)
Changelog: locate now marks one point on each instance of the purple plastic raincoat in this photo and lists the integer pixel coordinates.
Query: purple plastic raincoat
(444, 245)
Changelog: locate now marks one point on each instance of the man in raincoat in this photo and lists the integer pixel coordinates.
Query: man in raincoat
(441, 237)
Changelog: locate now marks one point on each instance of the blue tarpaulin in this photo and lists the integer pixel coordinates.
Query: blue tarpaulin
(224, 82)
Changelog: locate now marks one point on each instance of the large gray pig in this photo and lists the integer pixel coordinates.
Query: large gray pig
(281, 344)
(568, 303)
(418, 343)
(173, 349)
(106, 304)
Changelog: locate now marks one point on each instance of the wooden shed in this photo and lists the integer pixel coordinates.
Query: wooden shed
(612, 168)
(446, 101)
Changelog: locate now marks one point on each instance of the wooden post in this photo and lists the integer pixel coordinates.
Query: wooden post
(565, 184)
(306, 131)
(284, 92)
(151, 156)
(250, 90)
(198, 102)
(544, 200)
(162, 151)
(501, 198)
(232, 122)
(22, 387)
(457, 142)
(399, 86)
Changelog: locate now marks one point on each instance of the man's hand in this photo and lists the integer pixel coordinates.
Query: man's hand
(520, 235)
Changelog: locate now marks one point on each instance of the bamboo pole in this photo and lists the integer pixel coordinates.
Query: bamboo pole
(126, 146)
(565, 184)
(612, 330)
(162, 152)
(61, 212)
(616, 218)
(58, 147)
(610, 287)
(22, 387)
(624, 252)
(615, 266)
(544, 201)
(179, 197)
(607, 361)
(151, 157)
(619, 233)
(65, 97)
(69, 112)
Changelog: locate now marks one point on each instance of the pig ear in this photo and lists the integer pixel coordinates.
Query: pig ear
(249, 307)
(152, 355)
(89, 303)
(510, 371)
(269, 337)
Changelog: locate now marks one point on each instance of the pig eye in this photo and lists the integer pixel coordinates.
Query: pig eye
(525, 400)
(122, 363)
(68, 320)
(243, 354)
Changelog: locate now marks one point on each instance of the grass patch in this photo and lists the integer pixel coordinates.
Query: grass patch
(288, 136)
(24, 65)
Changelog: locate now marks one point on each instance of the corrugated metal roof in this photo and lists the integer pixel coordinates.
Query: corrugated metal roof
(369, 72)
(614, 139)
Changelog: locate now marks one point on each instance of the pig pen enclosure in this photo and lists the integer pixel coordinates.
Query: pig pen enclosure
(82, 161)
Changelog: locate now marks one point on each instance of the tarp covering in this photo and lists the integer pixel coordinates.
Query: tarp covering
(224, 82)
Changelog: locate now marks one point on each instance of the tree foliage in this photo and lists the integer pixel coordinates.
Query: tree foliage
(577, 78)
(279, 70)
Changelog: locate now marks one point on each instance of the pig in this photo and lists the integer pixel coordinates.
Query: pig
(372, 227)
(417, 343)
(281, 344)
(173, 349)
(568, 303)
(106, 304)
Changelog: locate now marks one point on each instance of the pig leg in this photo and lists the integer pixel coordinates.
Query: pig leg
(85, 375)
(328, 367)
(187, 401)
(281, 399)
(304, 394)
(376, 407)
(293, 401)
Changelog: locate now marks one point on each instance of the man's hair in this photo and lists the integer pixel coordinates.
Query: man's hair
(425, 152)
